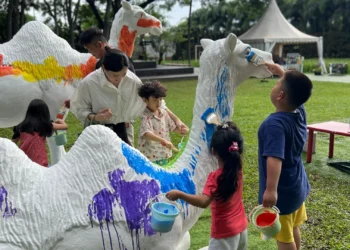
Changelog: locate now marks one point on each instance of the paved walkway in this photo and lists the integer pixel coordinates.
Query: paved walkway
(330, 78)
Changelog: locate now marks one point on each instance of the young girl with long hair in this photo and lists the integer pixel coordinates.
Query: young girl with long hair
(223, 191)
(34, 129)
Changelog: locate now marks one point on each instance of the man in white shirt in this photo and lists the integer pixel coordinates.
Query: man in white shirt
(109, 95)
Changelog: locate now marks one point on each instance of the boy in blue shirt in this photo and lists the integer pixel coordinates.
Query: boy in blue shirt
(282, 178)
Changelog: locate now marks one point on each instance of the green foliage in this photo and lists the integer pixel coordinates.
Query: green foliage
(310, 64)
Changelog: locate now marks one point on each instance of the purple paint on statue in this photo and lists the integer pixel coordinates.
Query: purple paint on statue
(134, 197)
(102, 209)
(102, 206)
(8, 210)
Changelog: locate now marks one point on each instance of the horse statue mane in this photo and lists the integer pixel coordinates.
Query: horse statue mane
(97, 196)
(37, 64)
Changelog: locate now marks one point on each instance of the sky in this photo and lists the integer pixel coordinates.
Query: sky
(178, 13)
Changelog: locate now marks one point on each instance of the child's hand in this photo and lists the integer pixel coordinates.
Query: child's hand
(59, 121)
(167, 144)
(173, 195)
(275, 69)
(270, 198)
(183, 129)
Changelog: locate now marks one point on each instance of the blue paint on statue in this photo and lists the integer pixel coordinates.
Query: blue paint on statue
(169, 180)
(222, 95)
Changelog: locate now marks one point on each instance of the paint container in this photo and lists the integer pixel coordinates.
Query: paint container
(60, 138)
(163, 216)
(266, 220)
(181, 144)
(255, 59)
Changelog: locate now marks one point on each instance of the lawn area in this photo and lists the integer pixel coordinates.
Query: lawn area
(328, 205)
(309, 63)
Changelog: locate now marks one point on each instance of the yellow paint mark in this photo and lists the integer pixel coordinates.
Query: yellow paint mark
(50, 69)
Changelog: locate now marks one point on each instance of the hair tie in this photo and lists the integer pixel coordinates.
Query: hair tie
(225, 125)
(233, 147)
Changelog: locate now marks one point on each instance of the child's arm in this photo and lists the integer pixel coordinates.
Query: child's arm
(274, 166)
(275, 69)
(182, 130)
(180, 126)
(201, 201)
(152, 137)
(59, 124)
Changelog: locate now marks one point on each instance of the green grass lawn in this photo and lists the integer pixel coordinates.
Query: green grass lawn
(328, 205)
(309, 63)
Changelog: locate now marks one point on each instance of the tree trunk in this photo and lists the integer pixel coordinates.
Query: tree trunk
(144, 4)
(106, 21)
(189, 33)
(72, 19)
(9, 20)
(53, 14)
(116, 4)
(57, 29)
(160, 59)
(22, 14)
(15, 20)
(96, 13)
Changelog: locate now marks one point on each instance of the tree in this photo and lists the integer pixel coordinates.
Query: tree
(112, 7)
(71, 9)
(53, 8)
(66, 11)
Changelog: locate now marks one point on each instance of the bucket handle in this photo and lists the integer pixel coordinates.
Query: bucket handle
(258, 207)
(178, 206)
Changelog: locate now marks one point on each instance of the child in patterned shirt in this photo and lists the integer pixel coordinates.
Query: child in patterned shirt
(154, 137)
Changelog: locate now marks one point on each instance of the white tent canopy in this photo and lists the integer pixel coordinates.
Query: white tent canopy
(273, 29)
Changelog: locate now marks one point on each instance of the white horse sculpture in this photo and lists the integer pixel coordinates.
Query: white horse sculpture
(37, 63)
(97, 196)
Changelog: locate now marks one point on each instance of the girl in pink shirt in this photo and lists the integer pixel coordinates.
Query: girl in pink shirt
(32, 132)
(223, 191)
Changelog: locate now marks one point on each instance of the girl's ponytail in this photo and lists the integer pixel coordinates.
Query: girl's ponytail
(227, 143)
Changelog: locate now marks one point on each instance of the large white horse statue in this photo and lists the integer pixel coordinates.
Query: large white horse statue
(37, 63)
(97, 196)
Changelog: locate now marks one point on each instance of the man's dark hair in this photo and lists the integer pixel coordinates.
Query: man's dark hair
(298, 88)
(92, 35)
(114, 60)
(154, 88)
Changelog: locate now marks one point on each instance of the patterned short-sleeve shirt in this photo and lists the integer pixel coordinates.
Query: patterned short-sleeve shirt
(161, 126)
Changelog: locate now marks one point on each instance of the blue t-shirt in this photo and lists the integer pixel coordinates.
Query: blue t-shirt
(283, 135)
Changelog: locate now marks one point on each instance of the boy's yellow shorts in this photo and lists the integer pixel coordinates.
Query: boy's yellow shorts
(290, 221)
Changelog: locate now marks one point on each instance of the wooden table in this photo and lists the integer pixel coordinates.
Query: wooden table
(332, 128)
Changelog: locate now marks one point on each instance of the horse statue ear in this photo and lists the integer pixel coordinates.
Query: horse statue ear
(230, 43)
(206, 42)
(126, 5)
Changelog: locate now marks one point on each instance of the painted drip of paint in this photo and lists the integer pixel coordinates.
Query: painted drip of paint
(101, 208)
(8, 211)
(222, 93)
(134, 197)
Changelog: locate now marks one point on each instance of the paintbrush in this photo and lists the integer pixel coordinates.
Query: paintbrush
(255, 59)
(210, 117)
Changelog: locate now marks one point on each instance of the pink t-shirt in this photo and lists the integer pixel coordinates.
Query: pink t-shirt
(34, 146)
(227, 219)
(159, 125)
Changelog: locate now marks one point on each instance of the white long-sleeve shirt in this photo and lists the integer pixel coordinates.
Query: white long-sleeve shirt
(95, 92)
